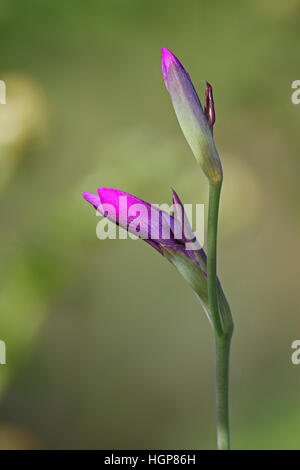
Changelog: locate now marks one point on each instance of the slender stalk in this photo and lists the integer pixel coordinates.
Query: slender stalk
(223, 330)
(212, 229)
(222, 372)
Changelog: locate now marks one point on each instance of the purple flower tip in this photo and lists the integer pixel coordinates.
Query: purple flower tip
(92, 199)
(175, 197)
(167, 58)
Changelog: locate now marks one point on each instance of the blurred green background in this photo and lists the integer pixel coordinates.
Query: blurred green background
(107, 347)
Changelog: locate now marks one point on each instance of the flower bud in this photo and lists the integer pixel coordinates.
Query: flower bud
(209, 108)
(196, 124)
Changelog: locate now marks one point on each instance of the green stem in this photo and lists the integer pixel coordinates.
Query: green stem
(223, 330)
(212, 229)
(222, 372)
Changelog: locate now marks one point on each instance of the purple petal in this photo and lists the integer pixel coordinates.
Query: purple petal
(137, 216)
(180, 215)
(145, 220)
(92, 199)
(167, 58)
(128, 211)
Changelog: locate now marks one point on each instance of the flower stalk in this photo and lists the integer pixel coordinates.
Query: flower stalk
(197, 126)
(223, 328)
(222, 390)
(212, 231)
(171, 234)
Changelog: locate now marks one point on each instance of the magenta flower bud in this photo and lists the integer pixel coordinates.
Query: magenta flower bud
(196, 124)
(171, 235)
(158, 228)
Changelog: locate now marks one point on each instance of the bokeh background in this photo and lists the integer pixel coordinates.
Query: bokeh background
(107, 347)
